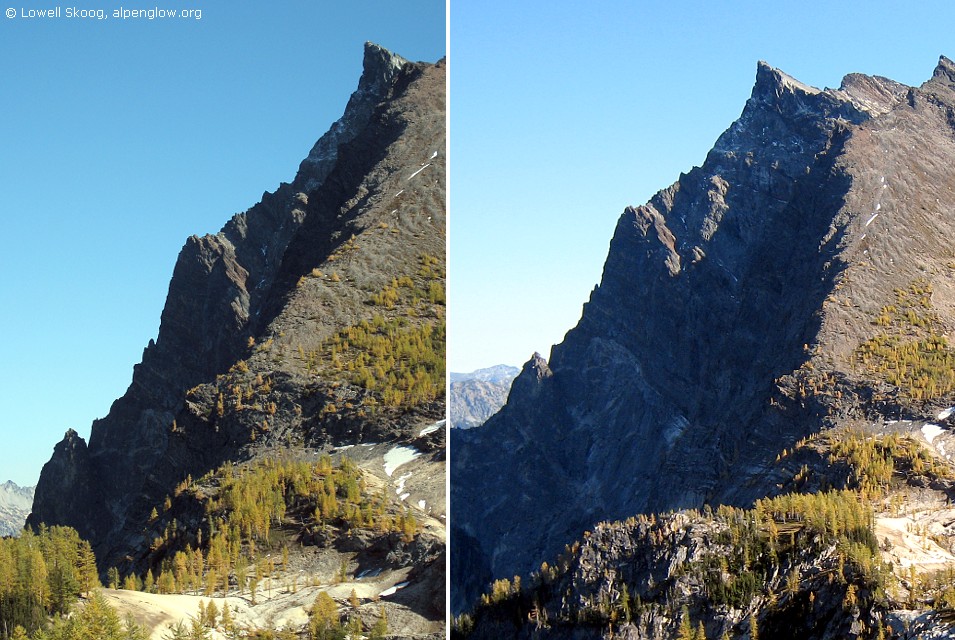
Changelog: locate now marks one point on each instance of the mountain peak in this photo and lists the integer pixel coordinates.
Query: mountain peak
(379, 65)
(805, 222)
(379, 69)
(944, 71)
(772, 83)
(538, 367)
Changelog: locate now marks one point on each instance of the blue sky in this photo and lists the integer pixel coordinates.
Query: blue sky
(118, 140)
(564, 113)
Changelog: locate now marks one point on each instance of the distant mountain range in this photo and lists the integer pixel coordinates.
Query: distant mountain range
(15, 505)
(476, 396)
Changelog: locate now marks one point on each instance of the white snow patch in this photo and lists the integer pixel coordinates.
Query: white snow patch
(368, 573)
(931, 431)
(369, 444)
(433, 156)
(400, 483)
(399, 456)
(419, 171)
(422, 504)
(390, 591)
(394, 211)
(431, 429)
(869, 221)
(343, 447)
(945, 413)
(878, 206)
(399, 193)
(404, 496)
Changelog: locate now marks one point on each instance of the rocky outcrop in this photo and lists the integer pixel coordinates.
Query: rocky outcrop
(241, 366)
(646, 578)
(64, 486)
(725, 303)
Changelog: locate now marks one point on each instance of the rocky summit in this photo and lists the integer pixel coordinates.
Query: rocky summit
(797, 285)
(311, 324)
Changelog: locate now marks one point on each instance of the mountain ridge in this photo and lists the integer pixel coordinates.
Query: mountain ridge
(724, 301)
(258, 355)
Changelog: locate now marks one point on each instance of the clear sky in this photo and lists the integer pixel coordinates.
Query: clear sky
(564, 113)
(118, 140)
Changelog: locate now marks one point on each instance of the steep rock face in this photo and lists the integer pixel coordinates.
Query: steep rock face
(259, 299)
(721, 300)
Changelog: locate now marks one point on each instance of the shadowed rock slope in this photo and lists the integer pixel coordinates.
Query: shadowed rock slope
(800, 279)
(315, 319)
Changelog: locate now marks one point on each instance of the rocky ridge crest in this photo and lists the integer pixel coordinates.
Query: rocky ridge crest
(732, 320)
(251, 360)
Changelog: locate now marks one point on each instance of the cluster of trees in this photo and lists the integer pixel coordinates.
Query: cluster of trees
(402, 362)
(242, 515)
(874, 460)
(41, 575)
(750, 554)
(95, 619)
(397, 355)
(911, 352)
(253, 498)
(326, 623)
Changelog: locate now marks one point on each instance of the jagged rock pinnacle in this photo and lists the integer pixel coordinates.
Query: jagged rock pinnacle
(771, 83)
(379, 68)
(945, 71)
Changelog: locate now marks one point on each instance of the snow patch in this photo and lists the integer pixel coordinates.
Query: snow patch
(422, 504)
(399, 456)
(400, 483)
(368, 573)
(945, 413)
(433, 156)
(869, 221)
(390, 591)
(431, 429)
(419, 171)
(931, 431)
(404, 496)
